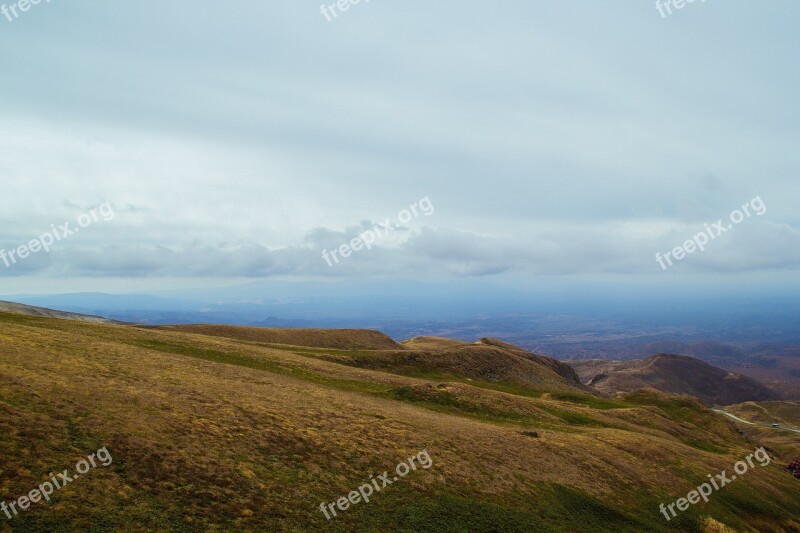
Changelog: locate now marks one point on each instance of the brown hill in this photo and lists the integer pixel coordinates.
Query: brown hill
(779, 372)
(433, 343)
(487, 360)
(674, 374)
(562, 369)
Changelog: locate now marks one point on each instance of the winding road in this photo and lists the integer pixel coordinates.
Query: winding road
(753, 424)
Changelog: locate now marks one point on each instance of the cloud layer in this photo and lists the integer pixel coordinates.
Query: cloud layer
(553, 139)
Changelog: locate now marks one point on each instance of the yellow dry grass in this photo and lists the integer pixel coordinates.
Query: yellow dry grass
(212, 433)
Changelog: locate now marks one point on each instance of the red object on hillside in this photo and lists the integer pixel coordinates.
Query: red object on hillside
(794, 468)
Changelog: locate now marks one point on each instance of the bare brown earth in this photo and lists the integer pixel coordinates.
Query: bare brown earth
(779, 373)
(210, 433)
(673, 374)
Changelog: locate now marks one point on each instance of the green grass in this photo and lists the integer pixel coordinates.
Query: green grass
(365, 359)
(573, 418)
(595, 402)
(706, 446)
(677, 408)
(555, 508)
(688, 411)
(445, 402)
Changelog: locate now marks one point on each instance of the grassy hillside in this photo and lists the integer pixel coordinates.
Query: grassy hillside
(785, 443)
(210, 433)
(784, 413)
(354, 339)
(488, 362)
(12, 307)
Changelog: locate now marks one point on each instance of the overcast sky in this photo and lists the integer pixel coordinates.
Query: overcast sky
(238, 140)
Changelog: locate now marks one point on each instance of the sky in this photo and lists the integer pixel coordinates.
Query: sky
(551, 140)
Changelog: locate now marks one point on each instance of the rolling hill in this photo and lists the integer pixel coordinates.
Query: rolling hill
(212, 432)
(761, 416)
(51, 313)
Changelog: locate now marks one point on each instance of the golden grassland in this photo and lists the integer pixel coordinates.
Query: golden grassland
(210, 433)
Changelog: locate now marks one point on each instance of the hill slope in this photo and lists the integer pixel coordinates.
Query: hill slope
(212, 433)
(344, 339)
(785, 413)
(674, 374)
(488, 360)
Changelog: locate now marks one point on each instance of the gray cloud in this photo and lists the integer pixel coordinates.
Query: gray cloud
(752, 245)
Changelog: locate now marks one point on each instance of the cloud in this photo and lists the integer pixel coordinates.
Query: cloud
(426, 251)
